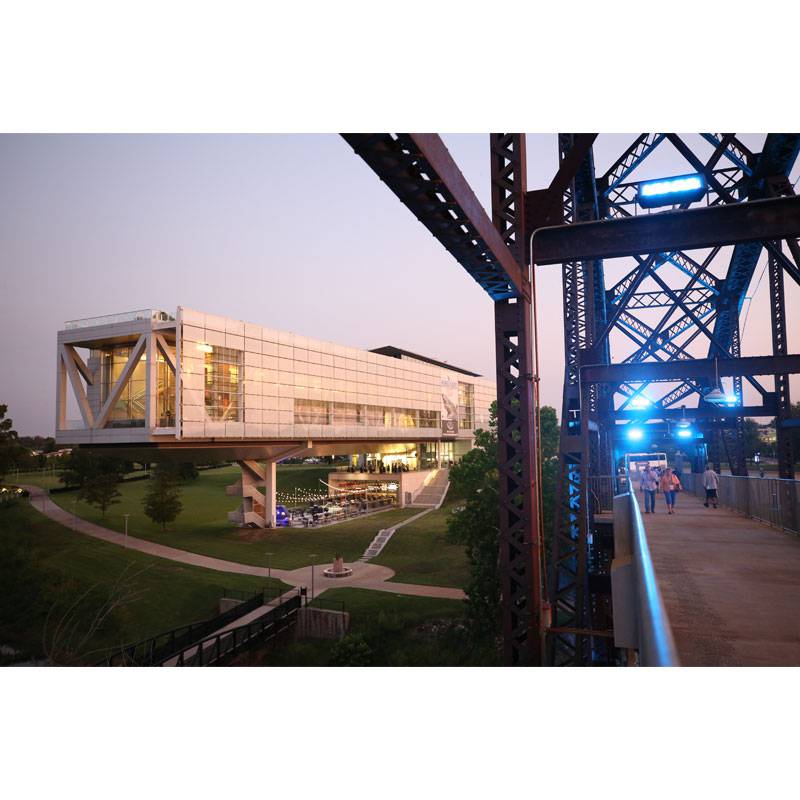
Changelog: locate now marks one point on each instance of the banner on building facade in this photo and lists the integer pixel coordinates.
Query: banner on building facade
(449, 407)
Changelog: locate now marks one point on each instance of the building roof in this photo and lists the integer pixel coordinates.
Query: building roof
(398, 352)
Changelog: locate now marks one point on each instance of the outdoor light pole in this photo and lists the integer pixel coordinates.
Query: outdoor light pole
(269, 564)
(313, 558)
(126, 529)
(75, 513)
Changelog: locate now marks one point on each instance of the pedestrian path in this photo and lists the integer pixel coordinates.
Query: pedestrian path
(382, 538)
(729, 585)
(365, 576)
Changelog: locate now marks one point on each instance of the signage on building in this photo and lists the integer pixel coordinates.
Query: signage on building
(449, 407)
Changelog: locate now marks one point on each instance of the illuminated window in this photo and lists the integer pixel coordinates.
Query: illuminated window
(129, 410)
(347, 414)
(429, 419)
(223, 384)
(406, 417)
(312, 412)
(166, 394)
(466, 405)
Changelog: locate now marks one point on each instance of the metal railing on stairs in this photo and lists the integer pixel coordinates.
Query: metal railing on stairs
(157, 649)
(213, 650)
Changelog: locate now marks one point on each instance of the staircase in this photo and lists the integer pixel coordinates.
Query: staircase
(251, 511)
(433, 493)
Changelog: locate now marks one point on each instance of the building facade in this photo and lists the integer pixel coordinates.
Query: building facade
(159, 383)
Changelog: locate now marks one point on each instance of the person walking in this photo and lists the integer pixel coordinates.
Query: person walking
(649, 486)
(710, 484)
(670, 484)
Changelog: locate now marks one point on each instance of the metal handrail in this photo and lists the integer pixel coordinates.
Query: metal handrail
(656, 645)
(213, 649)
(773, 501)
(148, 652)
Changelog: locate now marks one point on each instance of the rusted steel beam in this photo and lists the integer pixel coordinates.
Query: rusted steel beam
(419, 169)
(736, 223)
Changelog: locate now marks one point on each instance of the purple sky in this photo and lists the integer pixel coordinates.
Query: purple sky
(294, 232)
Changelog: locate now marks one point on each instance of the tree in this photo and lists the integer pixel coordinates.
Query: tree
(476, 526)
(162, 501)
(188, 471)
(351, 651)
(82, 466)
(101, 491)
(549, 438)
(9, 443)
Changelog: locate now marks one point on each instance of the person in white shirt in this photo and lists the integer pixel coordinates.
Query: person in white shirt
(710, 484)
(649, 486)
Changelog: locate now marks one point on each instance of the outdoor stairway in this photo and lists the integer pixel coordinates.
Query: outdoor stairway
(432, 494)
(430, 498)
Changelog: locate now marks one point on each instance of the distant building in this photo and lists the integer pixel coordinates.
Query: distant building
(767, 434)
(152, 383)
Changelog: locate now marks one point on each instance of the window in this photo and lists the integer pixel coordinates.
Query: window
(312, 412)
(466, 405)
(376, 416)
(429, 419)
(223, 368)
(166, 394)
(129, 410)
(347, 414)
(406, 417)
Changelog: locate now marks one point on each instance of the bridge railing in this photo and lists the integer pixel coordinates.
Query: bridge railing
(640, 617)
(775, 501)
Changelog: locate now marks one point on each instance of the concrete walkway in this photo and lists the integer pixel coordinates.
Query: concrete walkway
(365, 576)
(730, 585)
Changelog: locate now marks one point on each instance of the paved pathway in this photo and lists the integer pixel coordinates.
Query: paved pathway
(730, 584)
(365, 576)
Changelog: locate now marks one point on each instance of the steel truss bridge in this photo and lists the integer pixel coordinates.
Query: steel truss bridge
(690, 268)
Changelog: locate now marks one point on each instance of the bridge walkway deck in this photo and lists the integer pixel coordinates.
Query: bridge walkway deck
(731, 585)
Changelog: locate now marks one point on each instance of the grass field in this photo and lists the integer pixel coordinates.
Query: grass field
(42, 556)
(203, 527)
(419, 553)
(398, 630)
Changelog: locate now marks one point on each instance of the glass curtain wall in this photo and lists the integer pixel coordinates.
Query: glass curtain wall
(223, 384)
(166, 394)
(129, 409)
(466, 405)
(323, 412)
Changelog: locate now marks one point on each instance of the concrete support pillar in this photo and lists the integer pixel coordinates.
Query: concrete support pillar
(269, 493)
(251, 512)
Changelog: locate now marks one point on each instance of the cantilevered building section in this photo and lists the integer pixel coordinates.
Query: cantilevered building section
(188, 384)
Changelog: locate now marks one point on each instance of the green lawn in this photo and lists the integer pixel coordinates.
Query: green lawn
(203, 527)
(399, 630)
(47, 480)
(45, 565)
(419, 553)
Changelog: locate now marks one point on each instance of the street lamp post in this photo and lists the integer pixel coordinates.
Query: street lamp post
(126, 529)
(269, 564)
(75, 513)
(313, 557)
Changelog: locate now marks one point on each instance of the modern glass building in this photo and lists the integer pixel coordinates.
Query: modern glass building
(160, 383)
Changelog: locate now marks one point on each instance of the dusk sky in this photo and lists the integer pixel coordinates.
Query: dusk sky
(292, 232)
